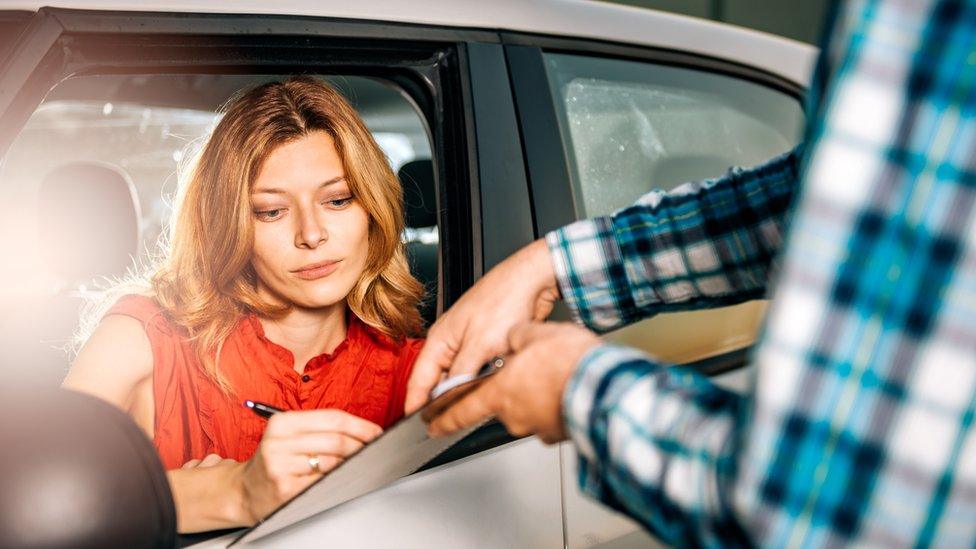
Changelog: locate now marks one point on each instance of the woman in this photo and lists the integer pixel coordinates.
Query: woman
(285, 283)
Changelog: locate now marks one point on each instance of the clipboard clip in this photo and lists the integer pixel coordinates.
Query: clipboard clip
(453, 388)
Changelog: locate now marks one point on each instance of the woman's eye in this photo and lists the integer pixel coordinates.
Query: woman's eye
(268, 215)
(339, 202)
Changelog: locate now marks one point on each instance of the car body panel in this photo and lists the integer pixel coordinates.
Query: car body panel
(576, 18)
(455, 505)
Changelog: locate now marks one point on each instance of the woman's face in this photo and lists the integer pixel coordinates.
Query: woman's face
(310, 234)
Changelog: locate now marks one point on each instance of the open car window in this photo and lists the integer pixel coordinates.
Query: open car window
(93, 176)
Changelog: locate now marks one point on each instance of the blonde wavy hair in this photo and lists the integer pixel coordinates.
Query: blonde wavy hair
(205, 281)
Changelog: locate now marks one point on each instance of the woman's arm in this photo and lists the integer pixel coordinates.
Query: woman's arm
(116, 363)
(209, 496)
(217, 493)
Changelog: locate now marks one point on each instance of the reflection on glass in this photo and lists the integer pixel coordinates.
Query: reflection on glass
(632, 127)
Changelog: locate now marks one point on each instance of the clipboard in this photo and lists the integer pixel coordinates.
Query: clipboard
(401, 450)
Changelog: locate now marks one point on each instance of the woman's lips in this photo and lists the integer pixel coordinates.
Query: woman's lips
(319, 270)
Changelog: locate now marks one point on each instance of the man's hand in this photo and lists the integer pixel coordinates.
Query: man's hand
(520, 289)
(526, 395)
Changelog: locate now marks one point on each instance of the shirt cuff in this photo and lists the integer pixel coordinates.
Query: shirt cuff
(588, 392)
(589, 269)
(591, 385)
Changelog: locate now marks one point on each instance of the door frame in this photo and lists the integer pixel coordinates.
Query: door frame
(451, 76)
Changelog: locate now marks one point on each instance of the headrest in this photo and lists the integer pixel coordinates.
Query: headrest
(78, 472)
(88, 221)
(419, 193)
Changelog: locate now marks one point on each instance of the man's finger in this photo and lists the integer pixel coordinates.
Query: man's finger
(434, 359)
(470, 410)
(473, 355)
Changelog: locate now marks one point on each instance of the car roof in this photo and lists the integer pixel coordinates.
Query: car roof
(590, 19)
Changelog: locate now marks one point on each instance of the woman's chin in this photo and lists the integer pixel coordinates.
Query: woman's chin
(315, 294)
(317, 300)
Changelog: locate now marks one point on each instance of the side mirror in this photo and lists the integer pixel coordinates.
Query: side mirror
(77, 472)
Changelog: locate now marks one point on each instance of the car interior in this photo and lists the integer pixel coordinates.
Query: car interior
(93, 175)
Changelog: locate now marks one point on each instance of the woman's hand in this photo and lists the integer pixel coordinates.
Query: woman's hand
(210, 460)
(292, 445)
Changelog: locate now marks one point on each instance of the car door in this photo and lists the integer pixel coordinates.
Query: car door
(603, 124)
(146, 78)
(489, 490)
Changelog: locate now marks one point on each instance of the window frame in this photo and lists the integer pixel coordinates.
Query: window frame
(424, 63)
(549, 164)
(444, 71)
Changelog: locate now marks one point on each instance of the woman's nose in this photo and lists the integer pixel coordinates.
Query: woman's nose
(311, 231)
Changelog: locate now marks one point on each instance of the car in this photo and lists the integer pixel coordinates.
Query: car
(504, 119)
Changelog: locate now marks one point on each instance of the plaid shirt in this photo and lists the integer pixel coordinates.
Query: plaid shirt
(858, 427)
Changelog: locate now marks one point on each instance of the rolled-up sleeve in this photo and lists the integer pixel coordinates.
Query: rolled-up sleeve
(656, 443)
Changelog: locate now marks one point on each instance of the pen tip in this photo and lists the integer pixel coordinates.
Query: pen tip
(249, 403)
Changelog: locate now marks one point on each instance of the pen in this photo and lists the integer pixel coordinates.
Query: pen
(262, 409)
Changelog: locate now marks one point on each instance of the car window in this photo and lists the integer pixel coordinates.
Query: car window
(630, 127)
(133, 132)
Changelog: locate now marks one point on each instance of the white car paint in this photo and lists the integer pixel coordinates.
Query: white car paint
(576, 18)
(454, 505)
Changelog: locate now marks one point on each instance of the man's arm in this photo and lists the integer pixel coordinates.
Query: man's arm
(654, 442)
(703, 244)
(700, 245)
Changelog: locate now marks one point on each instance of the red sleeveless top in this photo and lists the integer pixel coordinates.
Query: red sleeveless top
(365, 375)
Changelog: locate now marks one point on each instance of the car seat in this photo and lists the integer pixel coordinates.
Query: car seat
(88, 221)
(420, 208)
(88, 227)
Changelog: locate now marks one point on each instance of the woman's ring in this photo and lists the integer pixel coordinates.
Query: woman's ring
(313, 464)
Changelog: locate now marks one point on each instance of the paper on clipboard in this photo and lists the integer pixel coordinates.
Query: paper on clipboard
(398, 452)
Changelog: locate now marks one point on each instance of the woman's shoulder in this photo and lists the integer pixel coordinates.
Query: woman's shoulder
(115, 359)
(377, 338)
(143, 308)
(134, 303)
(407, 351)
